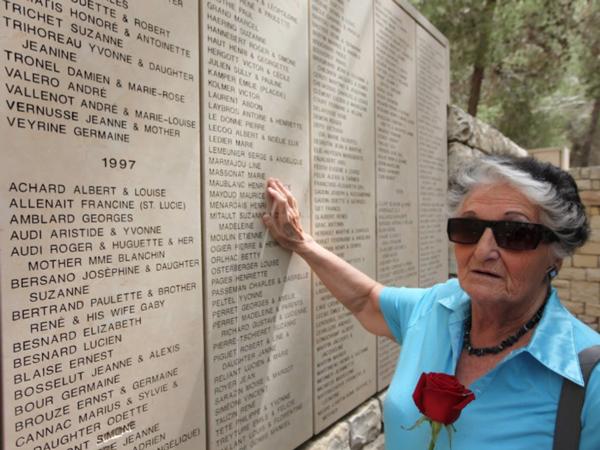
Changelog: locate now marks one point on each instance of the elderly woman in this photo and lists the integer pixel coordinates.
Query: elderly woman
(499, 328)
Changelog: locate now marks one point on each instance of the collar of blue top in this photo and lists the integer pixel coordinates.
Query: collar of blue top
(552, 343)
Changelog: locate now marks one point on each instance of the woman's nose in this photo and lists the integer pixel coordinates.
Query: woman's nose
(487, 246)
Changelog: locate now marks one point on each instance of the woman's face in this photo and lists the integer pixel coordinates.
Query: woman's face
(489, 273)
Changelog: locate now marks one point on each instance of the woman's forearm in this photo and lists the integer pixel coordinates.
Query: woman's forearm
(355, 290)
(349, 285)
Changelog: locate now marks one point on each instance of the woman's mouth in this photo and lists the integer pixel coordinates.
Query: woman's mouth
(486, 273)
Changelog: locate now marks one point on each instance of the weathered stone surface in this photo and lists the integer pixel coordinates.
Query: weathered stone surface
(592, 310)
(584, 172)
(377, 444)
(468, 130)
(590, 320)
(590, 198)
(561, 283)
(591, 248)
(583, 269)
(381, 398)
(585, 261)
(500, 144)
(575, 172)
(572, 273)
(458, 155)
(594, 172)
(482, 137)
(460, 125)
(584, 291)
(575, 307)
(588, 256)
(563, 293)
(592, 275)
(490, 140)
(365, 424)
(338, 438)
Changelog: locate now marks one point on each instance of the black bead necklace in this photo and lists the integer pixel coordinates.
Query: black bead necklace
(508, 342)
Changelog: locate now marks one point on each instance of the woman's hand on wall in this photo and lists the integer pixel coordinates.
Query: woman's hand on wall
(283, 222)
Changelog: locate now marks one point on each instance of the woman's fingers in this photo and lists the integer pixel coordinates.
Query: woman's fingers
(276, 194)
(291, 200)
(290, 197)
(281, 213)
(284, 220)
(281, 197)
(279, 209)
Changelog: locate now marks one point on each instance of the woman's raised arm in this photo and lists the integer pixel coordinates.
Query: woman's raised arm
(355, 290)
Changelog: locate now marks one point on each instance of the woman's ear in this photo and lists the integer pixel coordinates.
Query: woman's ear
(558, 264)
(553, 270)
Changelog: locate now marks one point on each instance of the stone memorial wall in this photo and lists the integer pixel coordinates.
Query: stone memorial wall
(256, 125)
(342, 97)
(101, 267)
(142, 305)
(397, 177)
(432, 93)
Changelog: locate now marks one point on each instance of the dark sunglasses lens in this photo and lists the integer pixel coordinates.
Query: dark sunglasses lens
(465, 231)
(517, 236)
(509, 235)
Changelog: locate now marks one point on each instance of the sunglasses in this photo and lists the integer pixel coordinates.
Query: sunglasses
(508, 234)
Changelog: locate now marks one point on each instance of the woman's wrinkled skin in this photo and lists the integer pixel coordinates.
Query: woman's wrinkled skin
(284, 221)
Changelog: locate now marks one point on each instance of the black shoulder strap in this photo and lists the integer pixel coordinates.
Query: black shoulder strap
(568, 415)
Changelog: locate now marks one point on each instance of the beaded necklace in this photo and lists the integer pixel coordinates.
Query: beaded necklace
(508, 342)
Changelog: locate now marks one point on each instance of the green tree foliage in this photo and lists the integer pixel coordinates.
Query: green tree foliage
(586, 145)
(528, 67)
(589, 33)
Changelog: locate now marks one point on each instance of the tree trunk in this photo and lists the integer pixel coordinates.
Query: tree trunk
(476, 82)
(481, 56)
(588, 141)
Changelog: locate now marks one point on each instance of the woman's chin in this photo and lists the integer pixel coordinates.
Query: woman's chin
(488, 293)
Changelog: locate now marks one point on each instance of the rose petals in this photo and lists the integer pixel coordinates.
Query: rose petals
(441, 397)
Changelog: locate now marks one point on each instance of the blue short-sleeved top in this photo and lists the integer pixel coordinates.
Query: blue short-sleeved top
(515, 403)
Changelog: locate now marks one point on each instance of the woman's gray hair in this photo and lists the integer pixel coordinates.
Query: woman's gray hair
(547, 186)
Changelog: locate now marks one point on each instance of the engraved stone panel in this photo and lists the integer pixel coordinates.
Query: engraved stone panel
(255, 61)
(343, 196)
(397, 198)
(101, 293)
(432, 98)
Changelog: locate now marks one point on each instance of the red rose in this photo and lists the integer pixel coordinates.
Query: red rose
(441, 397)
